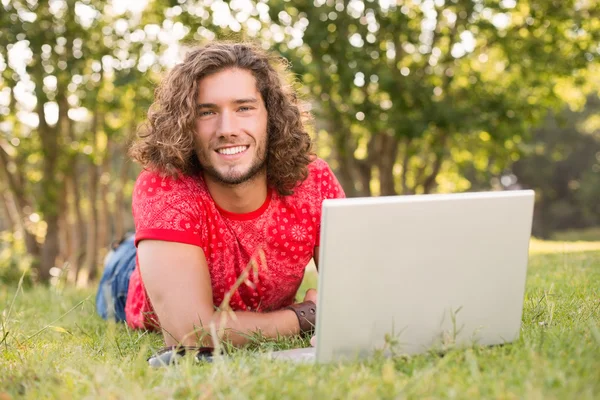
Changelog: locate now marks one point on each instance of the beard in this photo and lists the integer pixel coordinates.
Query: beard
(232, 178)
(232, 175)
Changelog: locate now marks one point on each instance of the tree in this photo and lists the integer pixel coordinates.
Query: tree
(562, 163)
(72, 72)
(399, 87)
(410, 97)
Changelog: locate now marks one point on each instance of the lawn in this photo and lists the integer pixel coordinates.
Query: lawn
(52, 345)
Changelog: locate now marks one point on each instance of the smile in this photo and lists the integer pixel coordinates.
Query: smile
(232, 150)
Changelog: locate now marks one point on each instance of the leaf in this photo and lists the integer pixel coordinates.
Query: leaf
(59, 329)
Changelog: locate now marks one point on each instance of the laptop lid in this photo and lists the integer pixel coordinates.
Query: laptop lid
(430, 269)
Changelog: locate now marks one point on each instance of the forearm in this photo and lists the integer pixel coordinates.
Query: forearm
(236, 327)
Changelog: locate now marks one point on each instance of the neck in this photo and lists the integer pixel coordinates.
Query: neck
(240, 199)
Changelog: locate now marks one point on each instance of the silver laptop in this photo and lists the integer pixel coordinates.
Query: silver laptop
(429, 271)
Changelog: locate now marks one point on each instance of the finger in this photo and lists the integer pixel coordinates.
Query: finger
(313, 341)
(311, 295)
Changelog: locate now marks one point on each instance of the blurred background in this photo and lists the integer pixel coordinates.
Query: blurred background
(409, 97)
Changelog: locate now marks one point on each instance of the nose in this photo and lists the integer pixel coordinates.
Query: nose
(227, 125)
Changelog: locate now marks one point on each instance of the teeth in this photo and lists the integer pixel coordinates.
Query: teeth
(232, 150)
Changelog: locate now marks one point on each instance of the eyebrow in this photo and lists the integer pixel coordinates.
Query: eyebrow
(236, 101)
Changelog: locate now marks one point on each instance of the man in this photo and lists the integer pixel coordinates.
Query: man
(228, 207)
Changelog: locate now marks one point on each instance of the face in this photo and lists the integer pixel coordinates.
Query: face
(231, 127)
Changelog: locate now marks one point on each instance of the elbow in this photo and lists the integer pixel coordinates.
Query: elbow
(188, 329)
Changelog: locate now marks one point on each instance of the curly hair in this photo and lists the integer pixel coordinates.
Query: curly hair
(166, 139)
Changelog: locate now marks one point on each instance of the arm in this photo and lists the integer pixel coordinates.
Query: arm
(178, 283)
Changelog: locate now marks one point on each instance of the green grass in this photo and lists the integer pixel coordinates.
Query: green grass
(52, 345)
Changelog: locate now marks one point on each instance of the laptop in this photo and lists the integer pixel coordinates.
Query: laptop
(428, 271)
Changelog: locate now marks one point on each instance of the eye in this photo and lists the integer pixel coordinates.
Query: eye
(204, 113)
(245, 108)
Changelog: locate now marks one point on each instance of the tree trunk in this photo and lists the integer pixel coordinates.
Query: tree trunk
(49, 203)
(104, 233)
(119, 205)
(91, 248)
(365, 174)
(405, 165)
(351, 171)
(16, 186)
(429, 182)
(344, 173)
(65, 244)
(77, 227)
(50, 210)
(50, 249)
(9, 221)
(385, 154)
(51, 187)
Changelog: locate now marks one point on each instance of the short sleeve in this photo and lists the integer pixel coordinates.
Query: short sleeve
(167, 209)
(329, 187)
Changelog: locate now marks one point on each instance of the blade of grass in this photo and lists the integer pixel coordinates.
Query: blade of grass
(57, 319)
(4, 320)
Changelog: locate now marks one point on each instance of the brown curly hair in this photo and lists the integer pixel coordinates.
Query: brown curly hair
(166, 139)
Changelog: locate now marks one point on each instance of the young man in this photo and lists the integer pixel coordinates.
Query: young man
(228, 207)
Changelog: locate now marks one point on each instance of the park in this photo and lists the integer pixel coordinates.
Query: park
(405, 98)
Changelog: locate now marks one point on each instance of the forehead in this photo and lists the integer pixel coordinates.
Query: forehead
(227, 85)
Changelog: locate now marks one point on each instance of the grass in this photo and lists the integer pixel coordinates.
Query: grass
(52, 345)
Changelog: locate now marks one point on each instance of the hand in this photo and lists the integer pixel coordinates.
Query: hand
(311, 295)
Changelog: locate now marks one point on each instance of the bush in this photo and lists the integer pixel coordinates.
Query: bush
(14, 260)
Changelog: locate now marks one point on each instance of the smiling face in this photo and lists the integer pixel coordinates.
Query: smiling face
(231, 127)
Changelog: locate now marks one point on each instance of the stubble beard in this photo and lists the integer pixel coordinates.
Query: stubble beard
(258, 165)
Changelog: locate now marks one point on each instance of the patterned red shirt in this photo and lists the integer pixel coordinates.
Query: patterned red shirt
(285, 228)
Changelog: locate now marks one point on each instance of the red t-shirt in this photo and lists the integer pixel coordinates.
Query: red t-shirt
(285, 228)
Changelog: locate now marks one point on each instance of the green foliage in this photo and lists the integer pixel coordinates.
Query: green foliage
(76, 87)
(15, 263)
(434, 76)
(57, 347)
(562, 163)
